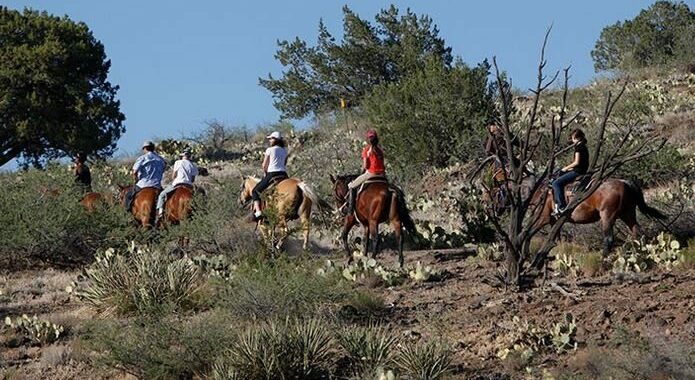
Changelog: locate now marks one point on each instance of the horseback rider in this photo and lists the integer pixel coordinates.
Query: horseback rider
(373, 166)
(496, 146)
(184, 173)
(274, 167)
(147, 172)
(83, 178)
(571, 172)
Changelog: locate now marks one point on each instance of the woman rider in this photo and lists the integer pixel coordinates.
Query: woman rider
(274, 166)
(372, 164)
(569, 173)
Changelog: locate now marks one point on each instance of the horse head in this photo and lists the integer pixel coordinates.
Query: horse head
(122, 191)
(245, 189)
(340, 187)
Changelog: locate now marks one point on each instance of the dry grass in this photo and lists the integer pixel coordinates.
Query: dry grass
(55, 355)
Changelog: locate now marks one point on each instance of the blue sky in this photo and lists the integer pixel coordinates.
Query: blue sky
(179, 63)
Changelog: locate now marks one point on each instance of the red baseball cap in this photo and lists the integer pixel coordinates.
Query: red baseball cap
(371, 133)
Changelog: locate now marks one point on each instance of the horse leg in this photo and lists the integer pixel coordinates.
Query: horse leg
(374, 237)
(365, 240)
(630, 219)
(284, 232)
(347, 226)
(305, 220)
(607, 223)
(397, 230)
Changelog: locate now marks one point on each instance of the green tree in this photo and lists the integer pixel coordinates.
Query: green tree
(315, 78)
(434, 116)
(55, 99)
(661, 34)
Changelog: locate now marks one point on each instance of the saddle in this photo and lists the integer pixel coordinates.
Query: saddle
(376, 179)
(582, 183)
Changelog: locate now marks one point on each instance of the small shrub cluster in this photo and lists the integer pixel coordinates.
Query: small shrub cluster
(139, 280)
(526, 339)
(38, 331)
(291, 349)
(638, 255)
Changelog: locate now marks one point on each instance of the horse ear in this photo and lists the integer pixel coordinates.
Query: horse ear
(332, 178)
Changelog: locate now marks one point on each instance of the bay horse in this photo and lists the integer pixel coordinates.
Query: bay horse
(291, 198)
(377, 203)
(614, 199)
(144, 203)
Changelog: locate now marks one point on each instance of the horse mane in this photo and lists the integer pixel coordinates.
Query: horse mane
(347, 177)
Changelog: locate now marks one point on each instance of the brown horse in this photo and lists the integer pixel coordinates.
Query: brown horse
(376, 204)
(143, 204)
(291, 199)
(614, 199)
(91, 200)
(178, 205)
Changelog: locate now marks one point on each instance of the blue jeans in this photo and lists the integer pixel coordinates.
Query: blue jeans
(163, 196)
(559, 187)
(264, 183)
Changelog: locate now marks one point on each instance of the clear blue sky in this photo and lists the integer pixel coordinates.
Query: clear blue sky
(179, 63)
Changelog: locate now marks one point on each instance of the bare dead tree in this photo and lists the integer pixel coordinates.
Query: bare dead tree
(525, 198)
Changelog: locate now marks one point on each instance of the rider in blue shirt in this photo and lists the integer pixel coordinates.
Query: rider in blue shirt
(148, 171)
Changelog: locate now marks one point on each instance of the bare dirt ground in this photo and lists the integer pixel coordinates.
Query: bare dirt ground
(467, 309)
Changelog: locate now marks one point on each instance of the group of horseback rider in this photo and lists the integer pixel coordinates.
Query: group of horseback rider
(147, 171)
(496, 146)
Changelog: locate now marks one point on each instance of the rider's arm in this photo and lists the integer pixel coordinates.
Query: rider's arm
(266, 163)
(573, 164)
(365, 163)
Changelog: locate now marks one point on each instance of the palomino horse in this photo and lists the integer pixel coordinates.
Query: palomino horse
(614, 199)
(291, 199)
(144, 204)
(377, 203)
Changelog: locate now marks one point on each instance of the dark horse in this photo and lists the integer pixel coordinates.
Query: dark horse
(377, 203)
(614, 199)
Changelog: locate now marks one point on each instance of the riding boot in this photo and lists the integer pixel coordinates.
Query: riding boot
(352, 197)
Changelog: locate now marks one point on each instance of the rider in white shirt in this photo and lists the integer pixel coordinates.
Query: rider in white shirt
(184, 173)
(274, 166)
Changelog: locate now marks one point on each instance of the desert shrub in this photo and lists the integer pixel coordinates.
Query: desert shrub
(370, 349)
(289, 349)
(363, 305)
(369, 272)
(43, 221)
(424, 361)
(213, 226)
(591, 263)
(687, 257)
(632, 356)
(283, 287)
(140, 280)
(666, 165)
(159, 348)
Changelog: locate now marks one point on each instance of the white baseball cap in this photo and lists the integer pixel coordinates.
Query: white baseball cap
(275, 135)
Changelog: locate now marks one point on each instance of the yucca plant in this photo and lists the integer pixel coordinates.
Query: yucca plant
(370, 348)
(291, 349)
(424, 361)
(138, 280)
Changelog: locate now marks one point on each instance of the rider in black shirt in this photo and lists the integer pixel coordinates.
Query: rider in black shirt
(569, 173)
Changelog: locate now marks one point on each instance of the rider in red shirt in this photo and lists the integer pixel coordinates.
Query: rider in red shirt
(372, 164)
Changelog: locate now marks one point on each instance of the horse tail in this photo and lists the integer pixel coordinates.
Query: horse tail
(315, 199)
(643, 207)
(403, 212)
